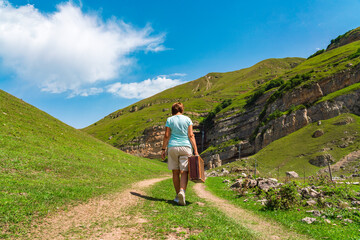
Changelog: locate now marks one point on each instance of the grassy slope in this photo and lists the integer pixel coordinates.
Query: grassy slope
(293, 152)
(45, 164)
(197, 96)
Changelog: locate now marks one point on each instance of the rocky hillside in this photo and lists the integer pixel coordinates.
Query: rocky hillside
(138, 129)
(246, 109)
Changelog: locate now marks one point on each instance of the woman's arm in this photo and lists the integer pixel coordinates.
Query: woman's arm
(165, 142)
(192, 139)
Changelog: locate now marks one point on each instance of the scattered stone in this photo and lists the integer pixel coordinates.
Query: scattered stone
(355, 203)
(110, 137)
(243, 175)
(319, 123)
(252, 183)
(224, 172)
(349, 65)
(149, 120)
(311, 202)
(318, 133)
(266, 184)
(327, 221)
(245, 200)
(347, 220)
(273, 179)
(237, 184)
(317, 213)
(308, 220)
(165, 109)
(262, 201)
(292, 174)
(226, 181)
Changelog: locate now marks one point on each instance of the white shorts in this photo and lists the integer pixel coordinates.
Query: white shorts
(178, 158)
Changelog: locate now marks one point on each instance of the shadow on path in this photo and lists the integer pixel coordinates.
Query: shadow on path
(157, 199)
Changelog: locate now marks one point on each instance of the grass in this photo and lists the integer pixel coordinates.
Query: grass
(46, 165)
(196, 220)
(289, 218)
(293, 152)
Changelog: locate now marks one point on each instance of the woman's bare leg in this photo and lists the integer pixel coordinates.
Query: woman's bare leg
(184, 180)
(176, 180)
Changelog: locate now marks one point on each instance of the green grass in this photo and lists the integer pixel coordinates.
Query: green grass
(293, 152)
(46, 165)
(290, 218)
(199, 219)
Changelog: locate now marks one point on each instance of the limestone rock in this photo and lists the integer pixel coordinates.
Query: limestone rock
(318, 133)
(292, 174)
(308, 220)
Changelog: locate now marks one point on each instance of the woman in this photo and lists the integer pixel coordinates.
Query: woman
(180, 140)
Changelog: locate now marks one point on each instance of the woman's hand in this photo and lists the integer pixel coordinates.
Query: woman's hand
(163, 154)
(196, 153)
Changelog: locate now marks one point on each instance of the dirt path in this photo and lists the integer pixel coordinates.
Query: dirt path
(265, 229)
(345, 160)
(102, 218)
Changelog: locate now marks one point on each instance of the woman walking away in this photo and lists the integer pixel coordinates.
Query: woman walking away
(180, 140)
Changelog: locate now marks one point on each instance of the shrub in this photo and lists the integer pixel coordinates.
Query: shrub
(283, 198)
(316, 53)
(274, 83)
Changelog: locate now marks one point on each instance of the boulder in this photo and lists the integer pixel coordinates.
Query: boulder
(292, 174)
(318, 133)
(322, 160)
(308, 220)
(311, 202)
(237, 184)
(266, 184)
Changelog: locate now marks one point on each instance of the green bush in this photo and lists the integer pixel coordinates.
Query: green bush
(316, 53)
(283, 198)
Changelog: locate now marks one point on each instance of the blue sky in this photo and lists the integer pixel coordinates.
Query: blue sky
(81, 60)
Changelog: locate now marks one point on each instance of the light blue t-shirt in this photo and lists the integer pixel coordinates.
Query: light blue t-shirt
(179, 125)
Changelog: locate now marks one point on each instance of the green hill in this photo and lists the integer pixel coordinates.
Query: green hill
(295, 151)
(45, 164)
(199, 97)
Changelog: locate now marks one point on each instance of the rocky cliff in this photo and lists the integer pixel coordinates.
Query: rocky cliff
(243, 126)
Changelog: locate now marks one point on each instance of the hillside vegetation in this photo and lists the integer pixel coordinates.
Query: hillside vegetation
(199, 97)
(296, 150)
(46, 165)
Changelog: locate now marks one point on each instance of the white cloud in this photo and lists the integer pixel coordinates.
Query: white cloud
(144, 89)
(69, 50)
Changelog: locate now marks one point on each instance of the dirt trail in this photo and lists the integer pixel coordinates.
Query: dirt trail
(353, 156)
(265, 229)
(102, 218)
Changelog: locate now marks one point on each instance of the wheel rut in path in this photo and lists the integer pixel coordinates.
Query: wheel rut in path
(266, 230)
(103, 217)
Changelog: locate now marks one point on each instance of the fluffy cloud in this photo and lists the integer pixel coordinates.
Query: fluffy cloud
(68, 50)
(144, 89)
